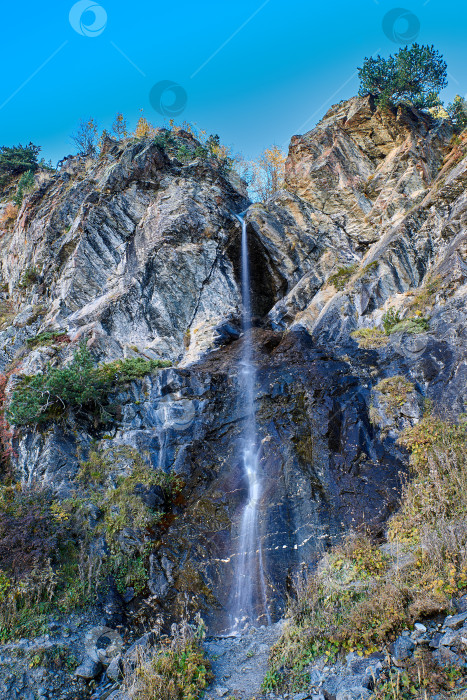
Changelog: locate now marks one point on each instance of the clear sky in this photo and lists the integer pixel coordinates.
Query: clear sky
(253, 71)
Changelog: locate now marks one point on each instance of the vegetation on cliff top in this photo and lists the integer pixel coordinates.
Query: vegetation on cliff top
(413, 76)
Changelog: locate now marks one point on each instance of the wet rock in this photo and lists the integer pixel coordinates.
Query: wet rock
(157, 582)
(152, 496)
(112, 607)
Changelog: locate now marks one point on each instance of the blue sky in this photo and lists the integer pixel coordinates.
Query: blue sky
(254, 71)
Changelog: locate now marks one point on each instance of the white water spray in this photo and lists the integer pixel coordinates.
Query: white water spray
(249, 595)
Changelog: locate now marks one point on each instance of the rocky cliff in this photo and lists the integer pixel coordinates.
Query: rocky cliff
(358, 281)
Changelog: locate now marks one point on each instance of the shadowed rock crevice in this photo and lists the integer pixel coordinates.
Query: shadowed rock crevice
(268, 284)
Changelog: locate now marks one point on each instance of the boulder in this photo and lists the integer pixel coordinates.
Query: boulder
(402, 648)
(88, 668)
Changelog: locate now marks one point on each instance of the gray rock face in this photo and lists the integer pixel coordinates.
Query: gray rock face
(134, 254)
(138, 254)
(323, 469)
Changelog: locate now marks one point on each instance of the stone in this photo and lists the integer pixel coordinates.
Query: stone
(371, 665)
(455, 621)
(88, 668)
(360, 693)
(435, 640)
(140, 646)
(460, 604)
(315, 676)
(103, 644)
(454, 637)
(114, 670)
(335, 684)
(419, 627)
(447, 658)
(402, 648)
(139, 256)
(221, 692)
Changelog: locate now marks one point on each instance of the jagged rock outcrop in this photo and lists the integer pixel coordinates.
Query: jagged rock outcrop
(131, 250)
(138, 253)
(382, 195)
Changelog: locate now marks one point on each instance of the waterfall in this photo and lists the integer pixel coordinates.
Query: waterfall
(249, 600)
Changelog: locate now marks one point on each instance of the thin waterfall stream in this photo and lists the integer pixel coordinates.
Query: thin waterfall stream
(249, 599)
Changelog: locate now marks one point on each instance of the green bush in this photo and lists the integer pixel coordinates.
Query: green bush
(15, 160)
(47, 338)
(130, 368)
(30, 277)
(413, 76)
(41, 397)
(392, 323)
(390, 319)
(118, 497)
(209, 148)
(457, 110)
(412, 325)
(340, 278)
(25, 184)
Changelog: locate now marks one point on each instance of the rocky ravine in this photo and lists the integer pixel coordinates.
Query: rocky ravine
(138, 254)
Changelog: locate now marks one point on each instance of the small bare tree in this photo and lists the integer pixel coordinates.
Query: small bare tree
(264, 176)
(120, 126)
(86, 137)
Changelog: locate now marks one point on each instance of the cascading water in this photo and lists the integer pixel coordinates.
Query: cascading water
(249, 600)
